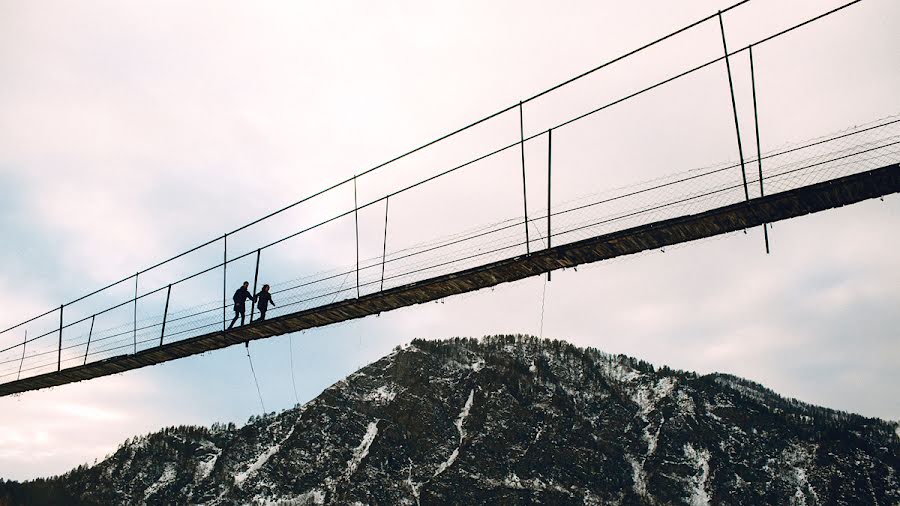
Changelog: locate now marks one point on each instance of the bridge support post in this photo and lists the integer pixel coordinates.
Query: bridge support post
(356, 223)
(524, 191)
(384, 243)
(134, 329)
(165, 314)
(549, 165)
(255, 278)
(22, 361)
(758, 150)
(224, 280)
(737, 127)
(59, 351)
(88, 347)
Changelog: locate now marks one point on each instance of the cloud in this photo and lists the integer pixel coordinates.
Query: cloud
(51, 431)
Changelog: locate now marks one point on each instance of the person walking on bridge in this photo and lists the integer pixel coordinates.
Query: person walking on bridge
(240, 296)
(263, 299)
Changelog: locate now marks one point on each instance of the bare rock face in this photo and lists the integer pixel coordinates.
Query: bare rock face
(506, 420)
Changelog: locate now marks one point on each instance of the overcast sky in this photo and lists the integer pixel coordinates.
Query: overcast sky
(130, 132)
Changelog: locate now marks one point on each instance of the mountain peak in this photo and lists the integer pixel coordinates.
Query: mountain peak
(509, 420)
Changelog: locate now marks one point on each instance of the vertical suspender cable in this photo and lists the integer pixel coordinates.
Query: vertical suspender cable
(59, 354)
(340, 288)
(758, 150)
(549, 165)
(255, 278)
(224, 280)
(19, 375)
(756, 122)
(134, 331)
(543, 299)
(524, 191)
(162, 333)
(293, 381)
(88, 347)
(384, 243)
(737, 128)
(256, 381)
(356, 222)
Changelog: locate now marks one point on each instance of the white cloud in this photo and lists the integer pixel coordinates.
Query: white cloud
(51, 431)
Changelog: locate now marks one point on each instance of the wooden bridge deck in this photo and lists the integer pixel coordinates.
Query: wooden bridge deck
(771, 208)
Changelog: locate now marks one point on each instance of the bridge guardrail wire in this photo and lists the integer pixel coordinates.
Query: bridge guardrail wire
(49, 342)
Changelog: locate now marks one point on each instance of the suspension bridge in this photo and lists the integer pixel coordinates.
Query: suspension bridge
(827, 172)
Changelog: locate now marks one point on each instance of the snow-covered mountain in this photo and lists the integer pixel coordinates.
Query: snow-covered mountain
(507, 420)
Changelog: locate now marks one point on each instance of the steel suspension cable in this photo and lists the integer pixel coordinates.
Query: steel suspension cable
(256, 381)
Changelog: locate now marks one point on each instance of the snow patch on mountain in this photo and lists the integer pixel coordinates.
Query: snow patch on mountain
(616, 371)
(748, 389)
(462, 434)
(513, 482)
(639, 477)
(381, 395)
(799, 459)
(360, 452)
(464, 414)
(262, 459)
(698, 486)
(413, 485)
(652, 439)
(686, 404)
(314, 496)
(646, 397)
(167, 476)
(205, 467)
(447, 463)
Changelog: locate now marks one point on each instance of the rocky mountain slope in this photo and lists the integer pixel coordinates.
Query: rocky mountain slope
(506, 420)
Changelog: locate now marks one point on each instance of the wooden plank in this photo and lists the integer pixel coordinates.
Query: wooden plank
(771, 208)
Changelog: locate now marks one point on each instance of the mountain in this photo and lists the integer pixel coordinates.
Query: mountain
(506, 420)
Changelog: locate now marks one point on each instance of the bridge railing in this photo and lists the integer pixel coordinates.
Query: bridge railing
(157, 316)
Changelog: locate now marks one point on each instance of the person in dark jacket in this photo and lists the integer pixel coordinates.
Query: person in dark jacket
(263, 299)
(240, 296)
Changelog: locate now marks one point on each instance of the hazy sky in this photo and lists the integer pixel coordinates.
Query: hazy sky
(132, 131)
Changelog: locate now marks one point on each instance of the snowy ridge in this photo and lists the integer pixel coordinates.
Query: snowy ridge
(748, 390)
(617, 371)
